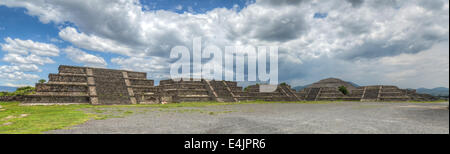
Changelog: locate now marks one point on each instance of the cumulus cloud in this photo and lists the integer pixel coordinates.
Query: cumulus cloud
(79, 56)
(25, 56)
(156, 66)
(24, 47)
(92, 42)
(22, 68)
(30, 59)
(14, 73)
(353, 32)
(356, 3)
(21, 52)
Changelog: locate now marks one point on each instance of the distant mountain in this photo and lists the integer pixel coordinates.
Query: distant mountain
(8, 89)
(298, 88)
(352, 83)
(440, 91)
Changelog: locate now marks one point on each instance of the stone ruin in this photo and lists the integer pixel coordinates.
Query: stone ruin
(328, 89)
(90, 85)
(98, 86)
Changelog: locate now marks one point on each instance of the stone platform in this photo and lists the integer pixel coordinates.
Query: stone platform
(98, 86)
(328, 90)
(89, 85)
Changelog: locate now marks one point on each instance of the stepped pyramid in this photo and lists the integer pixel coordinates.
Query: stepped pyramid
(328, 89)
(283, 92)
(198, 90)
(86, 85)
(99, 86)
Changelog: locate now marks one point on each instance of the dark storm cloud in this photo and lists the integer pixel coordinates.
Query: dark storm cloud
(281, 2)
(356, 3)
(281, 29)
(431, 5)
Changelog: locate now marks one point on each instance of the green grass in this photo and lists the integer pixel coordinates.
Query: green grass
(39, 119)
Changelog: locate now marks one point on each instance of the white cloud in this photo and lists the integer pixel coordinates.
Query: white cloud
(179, 7)
(93, 42)
(354, 31)
(24, 47)
(16, 85)
(155, 66)
(55, 40)
(79, 56)
(24, 56)
(21, 68)
(30, 59)
(13, 73)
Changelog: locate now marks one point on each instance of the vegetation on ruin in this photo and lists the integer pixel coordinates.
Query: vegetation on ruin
(343, 90)
(19, 92)
(42, 81)
(17, 119)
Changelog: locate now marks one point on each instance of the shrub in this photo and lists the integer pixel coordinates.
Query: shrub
(19, 92)
(41, 81)
(343, 90)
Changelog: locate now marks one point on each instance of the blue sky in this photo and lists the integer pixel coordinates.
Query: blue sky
(357, 40)
(16, 23)
(197, 6)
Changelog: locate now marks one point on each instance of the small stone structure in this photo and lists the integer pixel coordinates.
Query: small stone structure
(98, 86)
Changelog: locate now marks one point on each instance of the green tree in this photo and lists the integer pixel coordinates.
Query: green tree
(41, 81)
(22, 91)
(343, 90)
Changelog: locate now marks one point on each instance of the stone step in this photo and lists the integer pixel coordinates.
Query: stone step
(187, 92)
(141, 82)
(394, 99)
(331, 95)
(60, 94)
(56, 99)
(225, 99)
(71, 69)
(338, 99)
(61, 87)
(259, 94)
(391, 94)
(65, 83)
(275, 98)
(67, 78)
(184, 86)
(164, 82)
(191, 98)
(392, 91)
(142, 86)
(144, 90)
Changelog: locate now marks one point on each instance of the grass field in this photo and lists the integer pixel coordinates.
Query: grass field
(16, 119)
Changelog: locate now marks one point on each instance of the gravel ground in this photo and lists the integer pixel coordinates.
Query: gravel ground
(277, 118)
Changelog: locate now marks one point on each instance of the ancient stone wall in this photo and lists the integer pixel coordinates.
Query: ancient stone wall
(11, 98)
